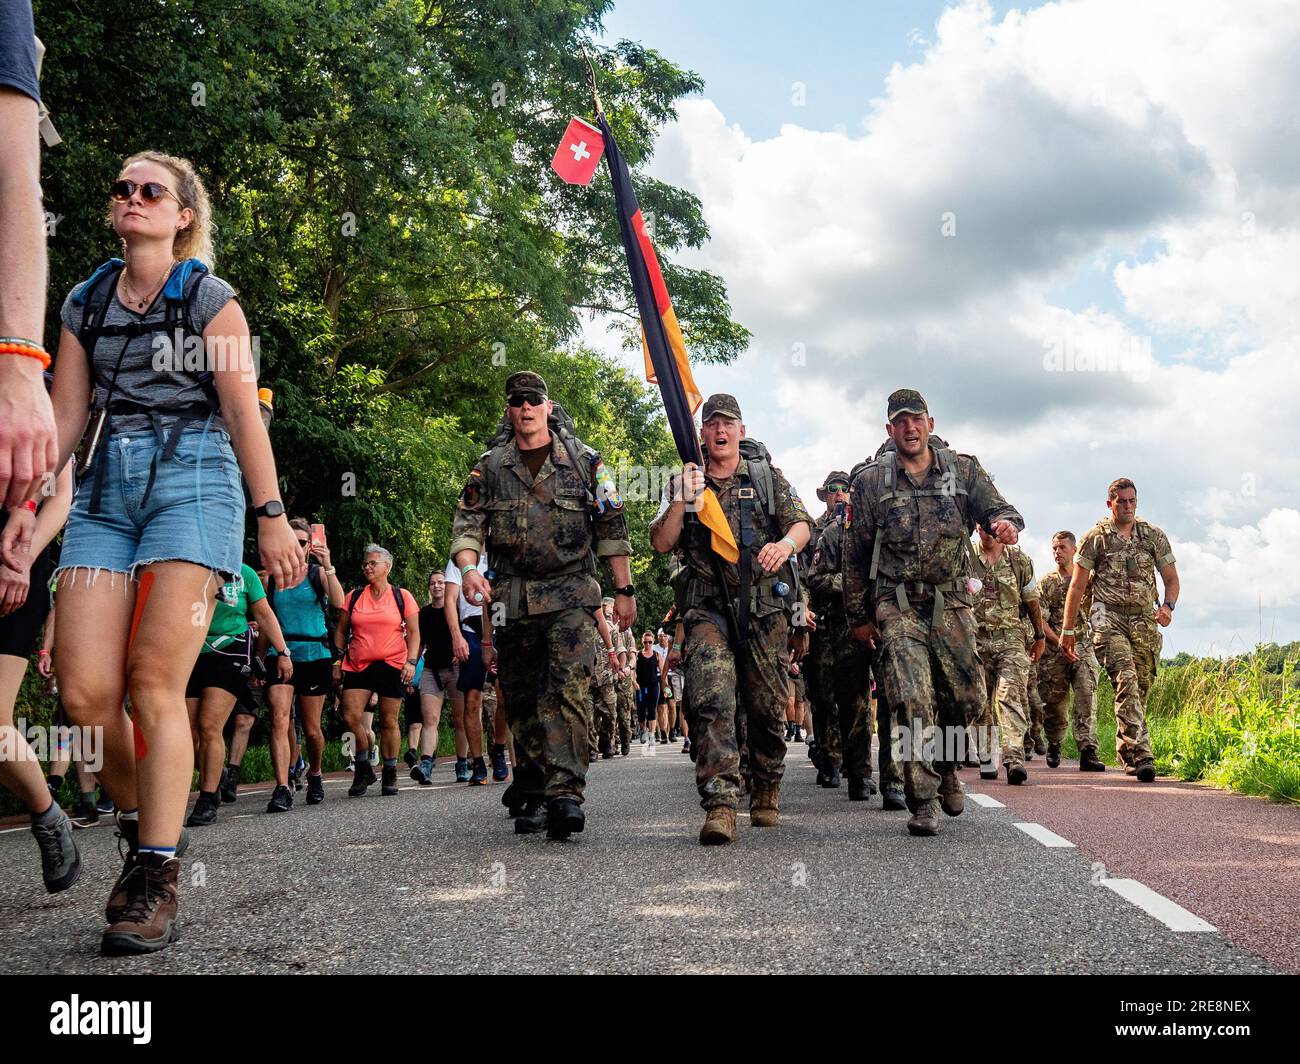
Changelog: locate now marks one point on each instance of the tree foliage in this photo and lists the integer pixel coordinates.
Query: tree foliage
(379, 171)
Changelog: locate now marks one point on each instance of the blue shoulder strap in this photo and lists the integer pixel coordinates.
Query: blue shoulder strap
(174, 290)
(83, 290)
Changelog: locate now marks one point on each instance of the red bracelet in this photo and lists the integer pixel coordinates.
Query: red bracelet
(30, 504)
(12, 345)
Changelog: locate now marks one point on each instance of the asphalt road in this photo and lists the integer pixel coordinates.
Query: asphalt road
(434, 880)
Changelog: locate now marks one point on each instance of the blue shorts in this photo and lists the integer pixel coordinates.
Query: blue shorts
(471, 673)
(195, 511)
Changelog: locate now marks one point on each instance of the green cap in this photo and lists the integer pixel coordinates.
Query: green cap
(906, 401)
(721, 403)
(525, 381)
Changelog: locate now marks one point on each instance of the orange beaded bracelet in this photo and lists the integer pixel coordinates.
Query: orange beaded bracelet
(10, 345)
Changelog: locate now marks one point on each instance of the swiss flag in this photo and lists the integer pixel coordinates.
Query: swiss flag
(579, 153)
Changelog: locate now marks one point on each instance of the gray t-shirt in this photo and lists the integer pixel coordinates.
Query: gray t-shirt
(151, 375)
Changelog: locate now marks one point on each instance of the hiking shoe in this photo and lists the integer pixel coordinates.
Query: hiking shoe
(951, 798)
(798, 734)
(925, 821)
(1146, 771)
(388, 786)
(861, 788)
(832, 776)
(410, 757)
(893, 798)
(85, 815)
(299, 771)
(1017, 774)
(1053, 755)
(128, 848)
(764, 808)
(626, 746)
(564, 817)
(229, 789)
(532, 819)
(362, 777)
(988, 770)
(1039, 747)
(719, 826)
(1029, 747)
(1089, 761)
(422, 771)
(479, 774)
(60, 860)
(373, 756)
(281, 800)
(462, 770)
(105, 805)
(204, 812)
(501, 768)
(147, 922)
(315, 790)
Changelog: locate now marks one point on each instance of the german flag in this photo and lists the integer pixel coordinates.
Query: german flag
(666, 362)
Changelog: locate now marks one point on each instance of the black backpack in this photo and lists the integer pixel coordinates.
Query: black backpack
(352, 605)
(562, 427)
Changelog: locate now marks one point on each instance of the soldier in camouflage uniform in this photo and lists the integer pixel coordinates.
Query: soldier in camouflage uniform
(1007, 578)
(1034, 736)
(625, 687)
(604, 697)
(1119, 557)
(544, 508)
(1058, 677)
(843, 665)
(908, 590)
(728, 669)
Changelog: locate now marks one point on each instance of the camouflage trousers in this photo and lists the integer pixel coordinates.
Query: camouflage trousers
(930, 677)
(545, 663)
(839, 675)
(1058, 678)
(1006, 679)
(600, 722)
(1035, 701)
(625, 702)
(1128, 647)
(724, 684)
(818, 688)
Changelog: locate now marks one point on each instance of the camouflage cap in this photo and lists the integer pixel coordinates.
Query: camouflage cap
(721, 403)
(831, 478)
(906, 401)
(525, 381)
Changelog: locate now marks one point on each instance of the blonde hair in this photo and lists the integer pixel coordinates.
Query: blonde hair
(195, 240)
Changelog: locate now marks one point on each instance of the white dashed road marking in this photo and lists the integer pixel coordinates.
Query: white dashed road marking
(1169, 913)
(1047, 838)
(987, 801)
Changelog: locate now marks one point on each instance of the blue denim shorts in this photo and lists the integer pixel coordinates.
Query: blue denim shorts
(194, 513)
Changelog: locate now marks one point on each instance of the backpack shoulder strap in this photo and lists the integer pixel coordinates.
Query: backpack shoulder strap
(93, 296)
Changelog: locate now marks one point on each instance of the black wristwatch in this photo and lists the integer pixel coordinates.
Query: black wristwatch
(628, 590)
(274, 508)
(1169, 604)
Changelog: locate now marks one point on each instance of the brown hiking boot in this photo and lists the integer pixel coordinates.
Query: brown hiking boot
(764, 809)
(925, 821)
(950, 795)
(148, 922)
(719, 826)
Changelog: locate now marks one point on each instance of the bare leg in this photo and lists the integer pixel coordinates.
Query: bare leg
(390, 735)
(354, 719)
(22, 775)
(431, 711)
(310, 706)
(281, 698)
(474, 723)
(214, 711)
(239, 737)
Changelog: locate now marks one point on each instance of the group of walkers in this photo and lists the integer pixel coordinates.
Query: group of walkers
(157, 611)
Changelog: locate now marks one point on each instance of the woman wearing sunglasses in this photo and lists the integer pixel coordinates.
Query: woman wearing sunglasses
(157, 522)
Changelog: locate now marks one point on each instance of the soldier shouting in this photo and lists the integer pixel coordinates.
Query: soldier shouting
(543, 508)
(909, 589)
(736, 632)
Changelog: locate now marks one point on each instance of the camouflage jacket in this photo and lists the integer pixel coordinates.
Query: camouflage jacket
(1124, 569)
(916, 532)
(542, 535)
(697, 554)
(826, 579)
(1052, 589)
(1008, 583)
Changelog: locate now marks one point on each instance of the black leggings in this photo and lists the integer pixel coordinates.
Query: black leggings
(647, 701)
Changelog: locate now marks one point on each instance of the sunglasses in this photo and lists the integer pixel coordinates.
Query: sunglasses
(836, 488)
(303, 542)
(150, 191)
(531, 398)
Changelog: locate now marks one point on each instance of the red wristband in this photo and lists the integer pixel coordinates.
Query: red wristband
(30, 504)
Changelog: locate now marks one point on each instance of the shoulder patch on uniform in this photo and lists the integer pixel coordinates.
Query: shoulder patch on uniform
(848, 514)
(607, 496)
(472, 491)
